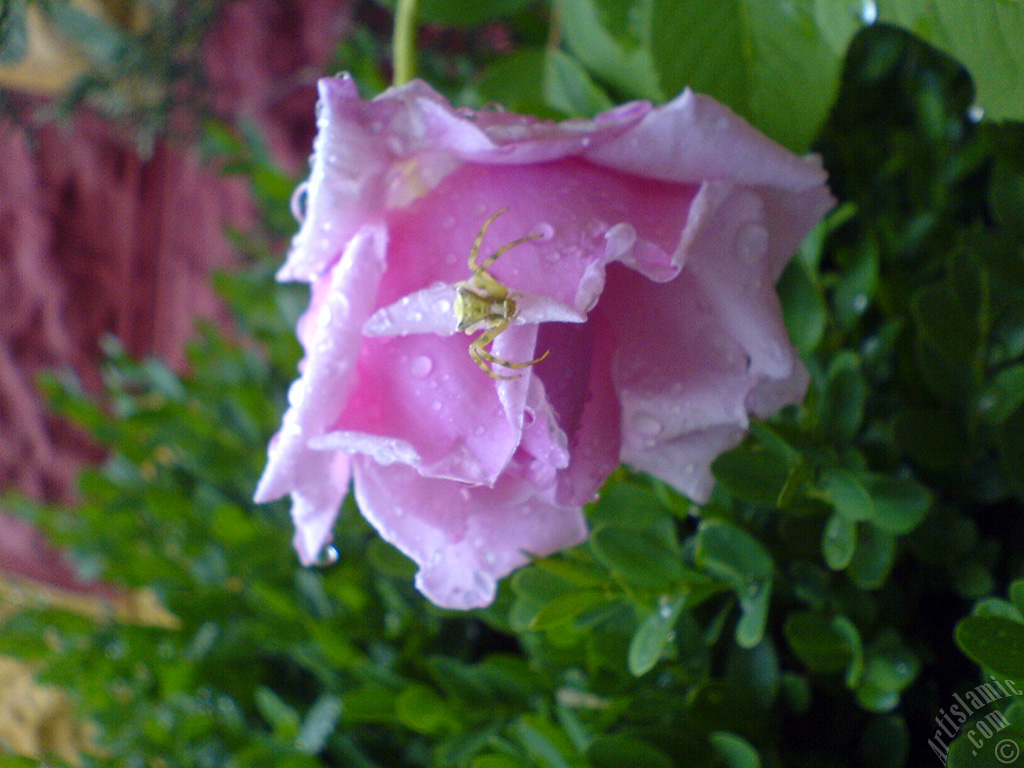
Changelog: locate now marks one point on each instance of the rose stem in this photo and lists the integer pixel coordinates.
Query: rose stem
(404, 42)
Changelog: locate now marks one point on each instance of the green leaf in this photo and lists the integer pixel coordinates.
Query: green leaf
(770, 62)
(736, 751)
(626, 752)
(803, 306)
(613, 40)
(1004, 395)
(495, 761)
(731, 554)
(857, 285)
(569, 89)
(846, 493)
(281, 717)
(547, 744)
(534, 589)
(640, 557)
(874, 557)
(1010, 442)
(888, 669)
(993, 642)
(421, 709)
(752, 474)
(567, 607)
(900, 503)
(13, 32)
(737, 558)
(654, 633)
(886, 742)
(1003, 750)
(319, 724)
(819, 641)
(987, 38)
(842, 402)
(464, 13)
(838, 541)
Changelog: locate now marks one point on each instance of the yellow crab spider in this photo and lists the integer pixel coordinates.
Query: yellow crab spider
(484, 303)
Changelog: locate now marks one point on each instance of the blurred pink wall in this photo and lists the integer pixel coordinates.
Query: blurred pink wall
(95, 239)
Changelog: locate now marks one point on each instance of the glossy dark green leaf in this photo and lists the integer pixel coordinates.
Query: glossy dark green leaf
(803, 307)
(1003, 396)
(567, 607)
(613, 40)
(842, 402)
(640, 557)
(838, 541)
(873, 558)
(734, 750)
(900, 503)
(569, 89)
(464, 13)
(534, 589)
(653, 634)
(753, 474)
(846, 492)
(993, 642)
(819, 642)
(737, 558)
(420, 708)
(626, 752)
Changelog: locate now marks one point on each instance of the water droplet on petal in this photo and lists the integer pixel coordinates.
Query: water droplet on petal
(646, 424)
(528, 417)
(465, 494)
(436, 405)
(298, 202)
(296, 393)
(479, 430)
(327, 556)
(545, 230)
(421, 366)
(751, 242)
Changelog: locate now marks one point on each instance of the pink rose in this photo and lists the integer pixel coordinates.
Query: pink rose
(656, 235)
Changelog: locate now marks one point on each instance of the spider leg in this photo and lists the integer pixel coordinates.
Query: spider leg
(475, 250)
(507, 364)
(507, 247)
(485, 358)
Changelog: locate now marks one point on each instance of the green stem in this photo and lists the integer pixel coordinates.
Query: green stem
(404, 42)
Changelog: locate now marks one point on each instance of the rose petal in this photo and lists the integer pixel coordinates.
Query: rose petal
(678, 415)
(694, 138)
(462, 538)
(342, 300)
(424, 394)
